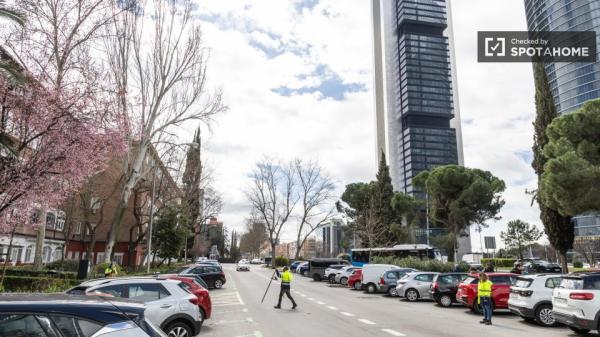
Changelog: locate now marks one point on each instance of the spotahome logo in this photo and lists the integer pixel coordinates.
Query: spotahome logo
(538, 46)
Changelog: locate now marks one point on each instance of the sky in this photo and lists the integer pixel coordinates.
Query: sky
(297, 78)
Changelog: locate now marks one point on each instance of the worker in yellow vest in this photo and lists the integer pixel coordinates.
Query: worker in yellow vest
(484, 297)
(286, 280)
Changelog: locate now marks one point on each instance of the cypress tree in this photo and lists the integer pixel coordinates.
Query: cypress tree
(558, 228)
(383, 194)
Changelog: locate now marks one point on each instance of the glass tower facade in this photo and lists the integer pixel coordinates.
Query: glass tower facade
(423, 99)
(572, 84)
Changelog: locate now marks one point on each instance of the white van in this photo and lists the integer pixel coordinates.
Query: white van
(371, 273)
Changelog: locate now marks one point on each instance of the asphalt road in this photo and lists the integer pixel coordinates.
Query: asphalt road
(332, 311)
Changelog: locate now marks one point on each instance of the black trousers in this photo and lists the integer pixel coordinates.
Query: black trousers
(287, 292)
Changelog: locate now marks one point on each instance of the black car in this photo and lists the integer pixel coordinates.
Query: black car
(541, 267)
(51, 315)
(212, 275)
(444, 287)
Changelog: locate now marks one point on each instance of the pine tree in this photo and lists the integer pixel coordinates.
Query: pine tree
(192, 177)
(382, 201)
(558, 228)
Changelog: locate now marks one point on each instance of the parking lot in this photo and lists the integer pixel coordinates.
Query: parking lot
(334, 310)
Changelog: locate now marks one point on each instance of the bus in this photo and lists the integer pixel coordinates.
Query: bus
(360, 256)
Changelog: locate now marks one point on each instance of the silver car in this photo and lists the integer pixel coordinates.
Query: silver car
(343, 274)
(415, 286)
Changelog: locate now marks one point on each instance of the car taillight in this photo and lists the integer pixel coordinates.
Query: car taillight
(434, 286)
(526, 293)
(581, 296)
(381, 281)
(194, 300)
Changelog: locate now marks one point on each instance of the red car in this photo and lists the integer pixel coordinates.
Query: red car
(204, 302)
(355, 280)
(467, 290)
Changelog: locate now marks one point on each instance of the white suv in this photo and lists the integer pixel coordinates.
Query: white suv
(576, 302)
(531, 297)
(169, 304)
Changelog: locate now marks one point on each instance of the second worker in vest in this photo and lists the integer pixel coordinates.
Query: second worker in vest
(484, 297)
(286, 280)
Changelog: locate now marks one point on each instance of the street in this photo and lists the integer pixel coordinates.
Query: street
(325, 310)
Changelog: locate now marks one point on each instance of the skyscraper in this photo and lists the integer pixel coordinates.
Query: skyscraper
(572, 84)
(416, 98)
(417, 115)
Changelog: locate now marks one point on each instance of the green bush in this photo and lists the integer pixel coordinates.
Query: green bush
(66, 265)
(422, 265)
(281, 261)
(577, 264)
(37, 284)
(100, 267)
(43, 273)
(502, 263)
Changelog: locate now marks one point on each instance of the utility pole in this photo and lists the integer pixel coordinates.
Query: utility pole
(151, 221)
(427, 216)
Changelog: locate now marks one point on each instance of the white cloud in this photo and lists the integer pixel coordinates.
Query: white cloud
(258, 46)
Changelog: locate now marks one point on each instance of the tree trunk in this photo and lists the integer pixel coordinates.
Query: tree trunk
(39, 243)
(563, 260)
(12, 235)
(273, 246)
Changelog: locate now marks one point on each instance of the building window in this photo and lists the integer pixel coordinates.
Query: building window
(60, 223)
(47, 254)
(58, 253)
(76, 256)
(95, 204)
(77, 229)
(99, 257)
(16, 253)
(50, 220)
(118, 258)
(28, 252)
(87, 229)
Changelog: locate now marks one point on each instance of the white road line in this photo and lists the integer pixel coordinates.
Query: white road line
(239, 298)
(311, 299)
(346, 314)
(366, 321)
(245, 310)
(332, 307)
(321, 303)
(393, 332)
(303, 295)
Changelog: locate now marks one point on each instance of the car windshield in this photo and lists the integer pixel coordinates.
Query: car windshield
(471, 280)
(571, 283)
(523, 282)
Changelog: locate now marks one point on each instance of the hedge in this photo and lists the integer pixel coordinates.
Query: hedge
(37, 284)
(44, 273)
(422, 265)
(505, 263)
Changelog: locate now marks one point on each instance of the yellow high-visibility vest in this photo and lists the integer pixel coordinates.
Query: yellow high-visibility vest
(484, 289)
(286, 277)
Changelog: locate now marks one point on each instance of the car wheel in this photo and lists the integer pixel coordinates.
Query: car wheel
(218, 283)
(411, 295)
(579, 331)
(544, 316)
(317, 278)
(179, 329)
(371, 289)
(357, 285)
(393, 292)
(445, 301)
(344, 281)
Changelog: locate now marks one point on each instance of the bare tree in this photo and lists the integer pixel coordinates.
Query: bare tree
(316, 191)
(589, 248)
(273, 197)
(166, 61)
(254, 236)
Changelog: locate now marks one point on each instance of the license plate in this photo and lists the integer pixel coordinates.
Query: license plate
(514, 295)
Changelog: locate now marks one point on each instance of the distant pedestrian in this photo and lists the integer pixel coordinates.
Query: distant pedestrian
(111, 270)
(484, 298)
(286, 280)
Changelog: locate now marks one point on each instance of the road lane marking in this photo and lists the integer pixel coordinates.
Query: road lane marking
(239, 298)
(346, 314)
(258, 334)
(245, 310)
(303, 295)
(366, 321)
(321, 303)
(393, 332)
(310, 298)
(332, 307)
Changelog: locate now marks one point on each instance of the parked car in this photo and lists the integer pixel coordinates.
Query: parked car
(541, 267)
(204, 301)
(211, 274)
(64, 315)
(531, 297)
(169, 304)
(294, 265)
(198, 279)
(371, 274)
(344, 273)
(242, 265)
(332, 271)
(576, 302)
(303, 269)
(389, 279)
(355, 280)
(256, 261)
(415, 286)
(444, 287)
(467, 290)
(210, 262)
(316, 267)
